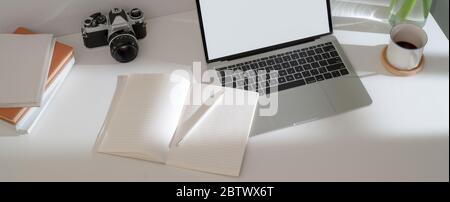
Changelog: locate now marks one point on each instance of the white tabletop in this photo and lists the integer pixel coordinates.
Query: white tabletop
(402, 136)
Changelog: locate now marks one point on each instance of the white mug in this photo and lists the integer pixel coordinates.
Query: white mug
(405, 50)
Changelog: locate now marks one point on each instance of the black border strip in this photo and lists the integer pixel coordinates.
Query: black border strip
(262, 50)
(279, 192)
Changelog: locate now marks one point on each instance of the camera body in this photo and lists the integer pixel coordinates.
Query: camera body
(119, 29)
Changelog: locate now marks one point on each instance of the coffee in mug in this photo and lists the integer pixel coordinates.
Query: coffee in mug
(405, 50)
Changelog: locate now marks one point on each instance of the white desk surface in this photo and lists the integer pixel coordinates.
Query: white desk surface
(403, 136)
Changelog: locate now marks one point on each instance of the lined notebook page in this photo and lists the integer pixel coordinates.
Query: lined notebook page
(144, 116)
(217, 144)
(24, 65)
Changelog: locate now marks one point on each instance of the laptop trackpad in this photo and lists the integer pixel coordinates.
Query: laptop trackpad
(346, 94)
(295, 106)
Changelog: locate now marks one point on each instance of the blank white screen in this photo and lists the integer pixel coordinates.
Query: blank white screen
(236, 26)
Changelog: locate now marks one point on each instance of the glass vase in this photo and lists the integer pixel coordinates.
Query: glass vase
(409, 11)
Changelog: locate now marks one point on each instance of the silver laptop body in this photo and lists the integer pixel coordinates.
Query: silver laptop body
(315, 94)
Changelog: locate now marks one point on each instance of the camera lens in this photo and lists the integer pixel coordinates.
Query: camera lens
(124, 47)
(126, 52)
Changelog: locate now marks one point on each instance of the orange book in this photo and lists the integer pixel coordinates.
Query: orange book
(61, 55)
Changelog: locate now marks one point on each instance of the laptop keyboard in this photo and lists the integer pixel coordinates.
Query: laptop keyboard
(295, 68)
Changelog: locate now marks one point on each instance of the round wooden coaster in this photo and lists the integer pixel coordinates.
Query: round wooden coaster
(400, 72)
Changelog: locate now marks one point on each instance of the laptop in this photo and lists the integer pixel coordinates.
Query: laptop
(293, 38)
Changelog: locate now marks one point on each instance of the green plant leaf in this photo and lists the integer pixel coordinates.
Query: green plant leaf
(427, 7)
(406, 9)
(393, 3)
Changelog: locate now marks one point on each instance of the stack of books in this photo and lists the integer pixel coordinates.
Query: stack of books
(32, 69)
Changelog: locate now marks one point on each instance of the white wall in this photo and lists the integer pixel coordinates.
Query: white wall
(62, 17)
(440, 12)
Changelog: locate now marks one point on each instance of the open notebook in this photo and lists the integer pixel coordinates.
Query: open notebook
(149, 114)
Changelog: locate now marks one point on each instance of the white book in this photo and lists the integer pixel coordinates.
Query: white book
(149, 113)
(24, 64)
(28, 122)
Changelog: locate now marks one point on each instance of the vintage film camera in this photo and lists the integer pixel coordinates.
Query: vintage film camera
(119, 29)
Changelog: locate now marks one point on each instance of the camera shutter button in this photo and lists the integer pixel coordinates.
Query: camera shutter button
(88, 22)
(136, 13)
(101, 19)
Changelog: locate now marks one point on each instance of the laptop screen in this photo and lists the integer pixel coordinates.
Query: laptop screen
(233, 27)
